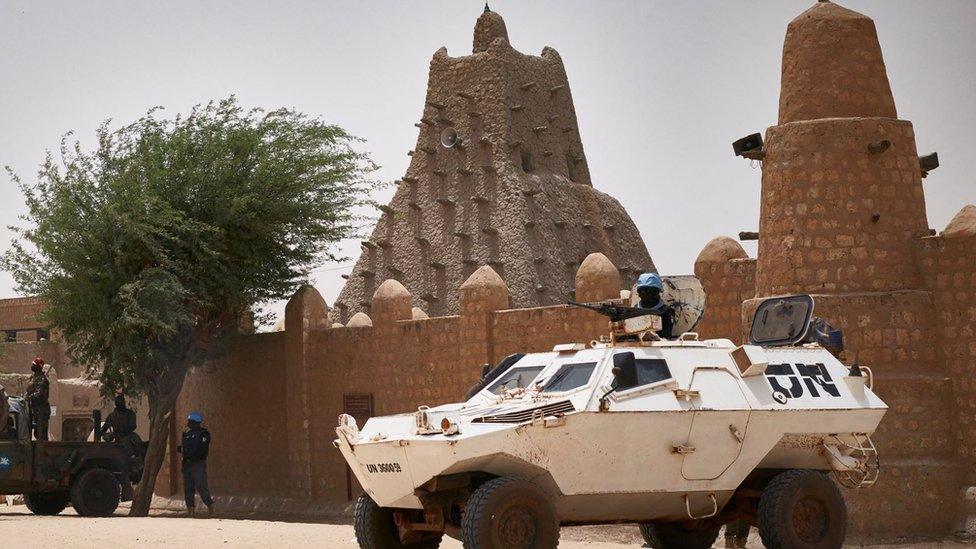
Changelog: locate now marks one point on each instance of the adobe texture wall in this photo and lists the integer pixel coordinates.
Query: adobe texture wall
(20, 313)
(843, 219)
(246, 389)
(263, 453)
(729, 278)
(515, 194)
(949, 267)
(20, 318)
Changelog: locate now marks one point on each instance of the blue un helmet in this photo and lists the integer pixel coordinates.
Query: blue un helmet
(649, 280)
(196, 417)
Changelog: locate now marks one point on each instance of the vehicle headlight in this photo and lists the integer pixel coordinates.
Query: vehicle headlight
(422, 419)
(449, 426)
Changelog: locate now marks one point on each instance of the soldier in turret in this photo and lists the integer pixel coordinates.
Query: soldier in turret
(39, 399)
(649, 289)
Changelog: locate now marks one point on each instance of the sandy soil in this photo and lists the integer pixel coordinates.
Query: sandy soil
(18, 528)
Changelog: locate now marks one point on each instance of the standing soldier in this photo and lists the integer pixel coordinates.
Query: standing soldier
(38, 399)
(195, 448)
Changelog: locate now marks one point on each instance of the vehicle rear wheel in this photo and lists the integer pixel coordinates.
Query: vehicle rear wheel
(802, 509)
(46, 503)
(509, 513)
(96, 493)
(679, 535)
(375, 528)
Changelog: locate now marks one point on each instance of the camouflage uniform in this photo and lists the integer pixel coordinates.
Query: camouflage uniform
(38, 397)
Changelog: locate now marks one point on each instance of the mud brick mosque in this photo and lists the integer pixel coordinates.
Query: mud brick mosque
(496, 223)
(514, 193)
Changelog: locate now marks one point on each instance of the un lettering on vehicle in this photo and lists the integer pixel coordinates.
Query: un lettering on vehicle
(795, 380)
(383, 468)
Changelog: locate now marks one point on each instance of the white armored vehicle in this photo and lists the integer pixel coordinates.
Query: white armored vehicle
(680, 436)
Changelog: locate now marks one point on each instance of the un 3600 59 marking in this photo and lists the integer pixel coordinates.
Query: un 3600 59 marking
(383, 467)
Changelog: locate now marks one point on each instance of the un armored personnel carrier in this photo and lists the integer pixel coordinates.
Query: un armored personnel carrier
(679, 436)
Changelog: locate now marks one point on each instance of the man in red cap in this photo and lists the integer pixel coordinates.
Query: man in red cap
(38, 399)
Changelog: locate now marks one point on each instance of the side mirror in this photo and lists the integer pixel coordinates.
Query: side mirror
(624, 371)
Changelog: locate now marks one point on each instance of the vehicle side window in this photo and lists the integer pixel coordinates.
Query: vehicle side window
(649, 370)
(570, 376)
(519, 377)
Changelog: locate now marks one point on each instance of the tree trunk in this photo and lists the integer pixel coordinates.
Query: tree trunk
(161, 404)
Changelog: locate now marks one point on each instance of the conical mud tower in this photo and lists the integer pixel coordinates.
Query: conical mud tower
(843, 218)
(498, 177)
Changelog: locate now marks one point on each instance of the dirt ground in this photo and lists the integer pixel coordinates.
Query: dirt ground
(18, 528)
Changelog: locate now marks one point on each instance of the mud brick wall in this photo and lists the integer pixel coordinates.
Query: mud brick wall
(541, 328)
(21, 313)
(729, 278)
(16, 358)
(242, 398)
(949, 267)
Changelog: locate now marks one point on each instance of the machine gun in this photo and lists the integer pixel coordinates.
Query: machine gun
(615, 313)
(626, 322)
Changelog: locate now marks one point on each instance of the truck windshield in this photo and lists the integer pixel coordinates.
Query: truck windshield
(518, 377)
(569, 377)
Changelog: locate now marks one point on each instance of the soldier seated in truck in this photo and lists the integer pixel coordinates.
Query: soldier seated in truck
(120, 427)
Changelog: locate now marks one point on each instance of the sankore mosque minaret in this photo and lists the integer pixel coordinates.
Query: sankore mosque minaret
(513, 192)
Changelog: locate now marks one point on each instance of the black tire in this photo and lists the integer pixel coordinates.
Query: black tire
(802, 509)
(375, 528)
(46, 503)
(96, 493)
(509, 513)
(679, 535)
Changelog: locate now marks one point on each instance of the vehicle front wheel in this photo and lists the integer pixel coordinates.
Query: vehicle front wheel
(802, 509)
(679, 535)
(509, 513)
(46, 503)
(96, 493)
(375, 528)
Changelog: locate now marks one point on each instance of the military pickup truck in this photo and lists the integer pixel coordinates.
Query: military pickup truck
(92, 476)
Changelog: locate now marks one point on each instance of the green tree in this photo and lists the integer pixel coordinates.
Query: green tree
(150, 248)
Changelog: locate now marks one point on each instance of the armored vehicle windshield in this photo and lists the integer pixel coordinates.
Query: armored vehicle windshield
(783, 321)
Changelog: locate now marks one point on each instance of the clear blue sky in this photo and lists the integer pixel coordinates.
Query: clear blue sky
(661, 87)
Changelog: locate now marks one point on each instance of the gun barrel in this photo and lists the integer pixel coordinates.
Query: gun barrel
(616, 313)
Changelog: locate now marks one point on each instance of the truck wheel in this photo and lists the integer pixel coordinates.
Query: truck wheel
(375, 528)
(46, 503)
(509, 513)
(679, 535)
(802, 509)
(95, 493)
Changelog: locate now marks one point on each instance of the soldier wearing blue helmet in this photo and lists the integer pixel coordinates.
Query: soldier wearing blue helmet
(195, 449)
(649, 289)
